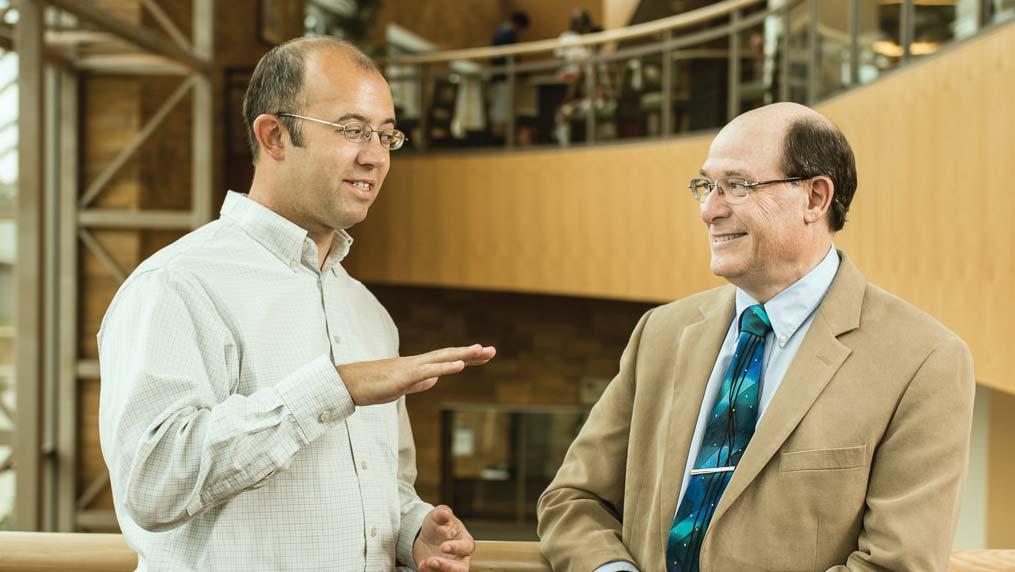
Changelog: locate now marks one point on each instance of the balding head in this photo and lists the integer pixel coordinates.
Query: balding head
(802, 143)
(277, 84)
(778, 115)
(786, 178)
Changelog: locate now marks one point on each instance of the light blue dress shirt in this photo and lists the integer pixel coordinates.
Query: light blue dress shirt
(791, 312)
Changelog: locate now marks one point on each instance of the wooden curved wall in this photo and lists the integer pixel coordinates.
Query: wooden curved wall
(935, 146)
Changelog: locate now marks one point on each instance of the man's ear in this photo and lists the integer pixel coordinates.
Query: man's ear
(271, 136)
(819, 198)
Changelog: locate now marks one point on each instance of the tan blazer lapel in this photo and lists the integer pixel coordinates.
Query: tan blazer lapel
(699, 346)
(819, 357)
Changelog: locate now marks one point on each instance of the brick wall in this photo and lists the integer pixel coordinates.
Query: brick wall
(545, 346)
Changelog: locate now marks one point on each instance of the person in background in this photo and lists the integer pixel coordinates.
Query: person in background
(578, 103)
(507, 33)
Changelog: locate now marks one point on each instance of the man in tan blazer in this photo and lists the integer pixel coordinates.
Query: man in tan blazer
(857, 454)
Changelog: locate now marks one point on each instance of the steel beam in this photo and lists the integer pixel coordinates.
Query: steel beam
(203, 116)
(29, 268)
(87, 11)
(149, 128)
(67, 392)
(148, 219)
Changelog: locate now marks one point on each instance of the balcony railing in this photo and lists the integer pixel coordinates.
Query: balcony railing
(683, 73)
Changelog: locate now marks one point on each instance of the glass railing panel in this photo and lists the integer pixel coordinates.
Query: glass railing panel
(1000, 11)
(879, 38)
(798, 56)
(762, 53)
(938, 23)
(834, 46)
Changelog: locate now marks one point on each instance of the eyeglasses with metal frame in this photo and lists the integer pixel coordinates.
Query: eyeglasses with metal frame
(733, 189)
(360, 132)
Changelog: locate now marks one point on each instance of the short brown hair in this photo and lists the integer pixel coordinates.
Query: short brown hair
(277, 83)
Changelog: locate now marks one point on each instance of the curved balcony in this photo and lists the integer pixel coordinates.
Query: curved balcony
(930, 221)
(684, 73)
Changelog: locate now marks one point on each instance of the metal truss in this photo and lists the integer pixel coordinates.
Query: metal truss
(56, 217)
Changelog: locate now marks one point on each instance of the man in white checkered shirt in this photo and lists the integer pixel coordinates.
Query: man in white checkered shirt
(252, 409)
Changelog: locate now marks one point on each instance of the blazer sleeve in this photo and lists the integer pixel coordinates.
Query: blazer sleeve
(919, 469)
(580, 512)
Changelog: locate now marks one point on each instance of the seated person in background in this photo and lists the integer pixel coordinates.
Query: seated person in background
(252, 410)
(800, 418)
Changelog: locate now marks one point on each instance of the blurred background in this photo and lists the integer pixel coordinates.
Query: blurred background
(541, 203)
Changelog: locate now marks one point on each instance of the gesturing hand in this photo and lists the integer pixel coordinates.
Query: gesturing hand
(443, 544)
(382, 381)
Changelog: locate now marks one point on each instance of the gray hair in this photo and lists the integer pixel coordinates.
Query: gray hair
(277, 83)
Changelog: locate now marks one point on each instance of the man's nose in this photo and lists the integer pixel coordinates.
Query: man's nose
(372, 152)
(713, 207)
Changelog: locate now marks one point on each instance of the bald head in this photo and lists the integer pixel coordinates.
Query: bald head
(778, 114)
(277, 84)
(798, 142)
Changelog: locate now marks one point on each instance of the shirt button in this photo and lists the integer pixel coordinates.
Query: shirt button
(338, 339)
(363, 464)
(324, 417)
(782, 340)
(373, 532)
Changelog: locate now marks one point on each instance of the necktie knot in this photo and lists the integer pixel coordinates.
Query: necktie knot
(754, 320)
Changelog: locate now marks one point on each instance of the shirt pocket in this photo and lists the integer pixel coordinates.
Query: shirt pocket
(837, 459)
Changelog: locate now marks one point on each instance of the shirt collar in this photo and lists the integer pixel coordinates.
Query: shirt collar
(282, 237)
(789, 309)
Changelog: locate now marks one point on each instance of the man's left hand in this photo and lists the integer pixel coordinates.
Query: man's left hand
(443, 545)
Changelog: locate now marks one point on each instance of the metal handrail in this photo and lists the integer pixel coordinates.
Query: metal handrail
(669, 24)
(668, 46)
(673, 38)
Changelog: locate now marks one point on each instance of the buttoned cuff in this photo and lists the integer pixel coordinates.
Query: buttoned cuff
(316, 397)
(408, 530)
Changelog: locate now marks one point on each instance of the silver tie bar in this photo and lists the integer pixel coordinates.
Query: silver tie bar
(711, 471)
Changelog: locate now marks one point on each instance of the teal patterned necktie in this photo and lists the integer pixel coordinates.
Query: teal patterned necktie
(727, 432)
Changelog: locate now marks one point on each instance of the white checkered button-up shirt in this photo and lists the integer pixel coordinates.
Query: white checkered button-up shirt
(232, 442)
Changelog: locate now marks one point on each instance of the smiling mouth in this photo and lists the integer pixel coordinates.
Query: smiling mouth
(723, 238)
(361, 185)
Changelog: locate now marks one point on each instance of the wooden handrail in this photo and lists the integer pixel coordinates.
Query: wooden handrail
(87, 552)
(501, 556)
(84, 552)
(672, 23)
